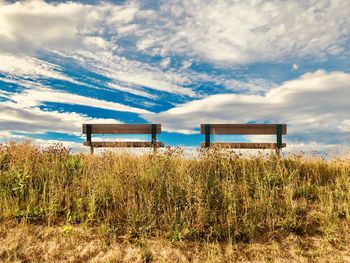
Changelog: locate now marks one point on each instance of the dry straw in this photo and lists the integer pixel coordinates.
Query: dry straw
(220, 196)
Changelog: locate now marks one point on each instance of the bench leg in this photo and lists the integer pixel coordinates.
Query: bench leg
(154, 137)
(207, 135)
(279, 139)
(88, 137)
(278, 151)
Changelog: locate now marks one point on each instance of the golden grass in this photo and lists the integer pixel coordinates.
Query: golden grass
(219, 197)
(36, 243)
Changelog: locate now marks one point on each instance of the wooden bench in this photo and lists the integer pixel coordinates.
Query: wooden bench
(245, 129)
(152, 129)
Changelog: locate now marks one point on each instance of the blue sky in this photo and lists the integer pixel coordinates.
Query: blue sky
(178, 63)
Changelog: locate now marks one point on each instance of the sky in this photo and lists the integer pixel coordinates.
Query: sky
(179, 63)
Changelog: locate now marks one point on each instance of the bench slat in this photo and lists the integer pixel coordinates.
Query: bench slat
(244, 145)
(258, 129)
(124, 144)
(122, 128)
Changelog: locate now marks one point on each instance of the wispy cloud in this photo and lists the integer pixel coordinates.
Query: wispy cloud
(34, 98)
(30, 67)
(242, 32)
(21, 112)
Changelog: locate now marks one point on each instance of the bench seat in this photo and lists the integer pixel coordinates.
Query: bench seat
(243, 145)
(123, 144)
(245, 129)
(152, 129)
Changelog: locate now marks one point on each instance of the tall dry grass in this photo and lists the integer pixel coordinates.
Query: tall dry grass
(218, 197)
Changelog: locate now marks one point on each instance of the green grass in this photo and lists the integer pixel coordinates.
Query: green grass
(218, 197)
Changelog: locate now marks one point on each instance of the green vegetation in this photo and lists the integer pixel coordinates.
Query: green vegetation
(219, 197)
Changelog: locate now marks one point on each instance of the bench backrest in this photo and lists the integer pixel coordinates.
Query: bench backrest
(122, 128)
(244, 129)
(152, 129)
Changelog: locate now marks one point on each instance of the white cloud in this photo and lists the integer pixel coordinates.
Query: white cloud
(13, 117)
(135, 73)
(27, 26)
(165, 62)
(73, 146)
(345, 125)
(249, 86)
(236, 32)
(295, 67)
(33, 120)
(132, 90)
(20, 112)
(315, 107)
(240, 32)
(35, 97)
(88, 33)
(319, 149)
(26, 66)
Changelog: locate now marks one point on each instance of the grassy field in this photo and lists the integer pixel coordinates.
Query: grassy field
(164, 207)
